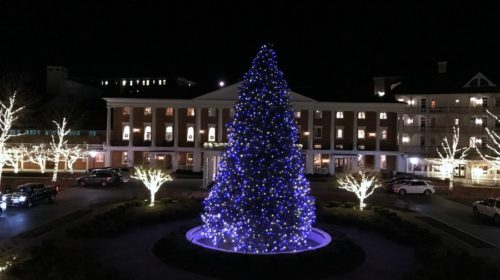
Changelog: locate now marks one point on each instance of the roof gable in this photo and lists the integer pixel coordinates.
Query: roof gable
(479, 80)
(231, 93)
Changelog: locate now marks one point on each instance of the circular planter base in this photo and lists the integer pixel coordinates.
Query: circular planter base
(315, 240)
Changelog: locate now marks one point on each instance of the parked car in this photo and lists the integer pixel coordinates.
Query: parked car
(123, 172)
(388, 184)
(103, 177)
(489, 207)
(414, 186)
(30, 193)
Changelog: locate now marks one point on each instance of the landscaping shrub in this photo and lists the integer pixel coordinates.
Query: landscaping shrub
(51, 260)
(437, 260)
(134, 214)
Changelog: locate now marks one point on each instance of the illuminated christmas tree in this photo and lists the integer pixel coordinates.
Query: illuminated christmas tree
(260, 202)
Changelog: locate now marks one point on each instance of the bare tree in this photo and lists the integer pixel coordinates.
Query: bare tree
(494, 158)
(361, 184)
(9, 113)
(72, 154)
(451, 155)
(58, 149)
(152, 178)
(38, 154)
(16, 155)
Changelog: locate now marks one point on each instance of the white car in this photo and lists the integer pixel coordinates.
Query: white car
(414, 186)
(489, 207)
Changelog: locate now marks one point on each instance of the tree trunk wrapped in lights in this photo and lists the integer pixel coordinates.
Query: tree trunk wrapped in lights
(152, 178)
(261, 200)
(361, 184)
(9, 113)
(451, 155)
(58, 148)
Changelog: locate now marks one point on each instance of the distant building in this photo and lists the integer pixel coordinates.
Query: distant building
(437, 102)
(190, 133)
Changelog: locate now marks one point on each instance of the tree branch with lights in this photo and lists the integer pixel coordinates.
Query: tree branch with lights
(451, 155)
(16, 155)
(494, 158)
(152, 178)
(9, 113)
(38, 155)
(361, 184)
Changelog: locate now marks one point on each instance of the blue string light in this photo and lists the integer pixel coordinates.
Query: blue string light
(261, 200)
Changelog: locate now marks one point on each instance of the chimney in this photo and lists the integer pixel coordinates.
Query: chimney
(442, 67)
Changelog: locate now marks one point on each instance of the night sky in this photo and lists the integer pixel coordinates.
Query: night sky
(334, 47)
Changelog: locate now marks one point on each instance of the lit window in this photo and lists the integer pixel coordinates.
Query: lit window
(211, 112)
(189, 159)
(361, 115)
(361, 133)
(105, 83)
(143, 82)
(318, 132)
(99, 157)
(169, 111)
(340, 115)
(190, 112)
(190, 133)
(340, 133)
(433, 103)
(211, 132)
(383, 162)
(169, 132)
(457, 101)
(383, 116)
(126, 132)
(297, 114)
(124, 82)
(409, 120)
(124, 157)
(479, 121)
(457, 121)
(164, 82)
(126, 111)
(147, 82)
(384, 133)
(318, 114)
(147, 132)
(405, 139)
(372, 134)
(147, 111)
(131, 82)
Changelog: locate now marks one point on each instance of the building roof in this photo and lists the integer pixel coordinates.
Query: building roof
(231, 93)
(447, 83)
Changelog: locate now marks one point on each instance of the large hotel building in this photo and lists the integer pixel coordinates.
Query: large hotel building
(399, 131)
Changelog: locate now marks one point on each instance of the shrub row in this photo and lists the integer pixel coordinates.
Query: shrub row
(134, 214)
(51, 260)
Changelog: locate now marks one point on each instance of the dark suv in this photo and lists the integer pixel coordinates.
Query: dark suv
(103, 177)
